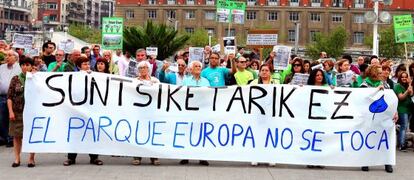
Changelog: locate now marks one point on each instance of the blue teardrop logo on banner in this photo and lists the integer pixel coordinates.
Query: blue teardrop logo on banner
(378, 106)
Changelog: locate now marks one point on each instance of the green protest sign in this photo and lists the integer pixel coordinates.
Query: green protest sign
(228, 11)
(112, 29)
(403, 27)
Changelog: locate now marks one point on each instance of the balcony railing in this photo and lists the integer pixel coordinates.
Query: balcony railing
(251, 3)
(294, 4)
(169, 2)
(316, 4)
(210, 3)
(272, 3)
(190, 2)
(359, 5)
(335, 4)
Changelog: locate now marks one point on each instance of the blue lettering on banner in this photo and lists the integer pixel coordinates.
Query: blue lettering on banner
(116, 131)
(227, 135)
(384, 139)
(307, 140)
(291, 138)
(249, 135)
(136, 134)
(352, 140)
(234, 134)
(40, 127)
(199, 135)
(316, 140)
(366, 140)
(91, 128)
(207, 133)
(156, 133)
(178, 134)
(101, 126)
(342, 138)
(270, 136)
(72, 127)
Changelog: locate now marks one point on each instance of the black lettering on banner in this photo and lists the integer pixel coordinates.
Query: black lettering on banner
(145, 94)
(170, 98)
(283, 102)
(240, 98)
(121, 87)
(62, 93)
(159, 96)
(340, 104)
(187, 97)
(85, 94)
(95, 85)
(215, 98)
(274, 102)
(252, 99)
(319, 91)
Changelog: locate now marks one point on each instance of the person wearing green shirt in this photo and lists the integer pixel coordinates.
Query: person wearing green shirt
(58, 65)
(242, 75)
(404, 92)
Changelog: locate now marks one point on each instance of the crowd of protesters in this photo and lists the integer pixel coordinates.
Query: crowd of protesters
(215, 70)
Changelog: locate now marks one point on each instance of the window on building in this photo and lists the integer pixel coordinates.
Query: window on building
(170, 2)
(190, 14)
(210, 2)
(316, 1)
(294, 3)
(358, 37)
(272, 2)
(210, 31)
(359, 3)
(152, 14)
(189, 30)
(358, 18)
(251, 15)
(190, 2)
(51, 5)
(232, 32)
(272, 16)
(251, 2)
(337, 17)
(210, 15)
(337, 3)
(152, 2)
(291, 35)
(294, 16)
(53, 17)
(170, 14)
(129, 14)
(312, 35)
(316, 17)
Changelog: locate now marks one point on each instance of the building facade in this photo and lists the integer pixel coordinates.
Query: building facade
(14, 15)
(314, 16)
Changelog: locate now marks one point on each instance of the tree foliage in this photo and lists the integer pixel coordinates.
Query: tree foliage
(387, 46)
(200, 38)
(333, 43)
(154, 35)
(85, 33)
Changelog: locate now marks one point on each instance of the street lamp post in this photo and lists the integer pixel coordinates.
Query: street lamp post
(297, 27)
(375, 18)
(375, 40)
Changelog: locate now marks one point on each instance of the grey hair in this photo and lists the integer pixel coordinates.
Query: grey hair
(140, 50)
(16, 55)
(145, 63)
(193, 62)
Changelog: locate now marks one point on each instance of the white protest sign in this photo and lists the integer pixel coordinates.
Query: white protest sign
(33, 52)
(344, 79)
(152, 51)
(261, 39)
(24, 41)
(216, 48)
(67, 46)
(281, 59)
(319, 66)
(230, 50)
(300, 79)
(229, 45)
(114, 115)
(196, 54)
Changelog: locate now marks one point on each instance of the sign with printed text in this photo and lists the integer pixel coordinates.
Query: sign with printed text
(282, 55)
(152, 51)
(112, 33)
(229, 45)
(403, 27)
(262, 39)
(196, 54)
(230, 11)
(67, 46)
(115, 115)
(24, 41)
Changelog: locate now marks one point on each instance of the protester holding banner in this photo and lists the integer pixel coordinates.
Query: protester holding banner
(15, 104)
(373, 80)
(132, 69)
(102, 65)
(39, 65)
(306, 67)
(265, 76)
(58, 65)
(215, 74)
(71, 64)
(146, 79)
(123, 63)
(156, 66)
(113, 68)
(96, 53)
(404, 91)
(172, 77)
(317, 78)
(7, 71)
(47, 49)
(330, 73)
(82, 63)
(352, 67)
(118, 56)
(195, 79)
(386, 71)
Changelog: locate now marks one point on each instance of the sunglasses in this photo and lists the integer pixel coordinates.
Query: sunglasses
(297, 65)
(181, 65)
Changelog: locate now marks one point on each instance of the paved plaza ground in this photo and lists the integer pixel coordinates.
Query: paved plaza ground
(49, 166)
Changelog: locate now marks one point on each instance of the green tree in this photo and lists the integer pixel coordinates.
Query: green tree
(200, 38)
(84, 33)
(387, 46)
(156, 35)
(333, 44)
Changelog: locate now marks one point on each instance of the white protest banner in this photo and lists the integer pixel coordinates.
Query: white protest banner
(300, 79)
(319, 66)
(196, 54)
(67, 46)
(22, 41)
(230, 50)
(262, 39)
(281, 59)
(152, 51)
(114, 115)
(229, 45)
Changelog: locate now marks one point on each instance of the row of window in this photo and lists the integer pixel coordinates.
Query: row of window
(250, 15)
(294, 3)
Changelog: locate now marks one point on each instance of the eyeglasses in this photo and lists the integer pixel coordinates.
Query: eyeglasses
(59, 55)
(143, 67)
(242, 61)
(297, 65)
(181, 65)
(214, 58)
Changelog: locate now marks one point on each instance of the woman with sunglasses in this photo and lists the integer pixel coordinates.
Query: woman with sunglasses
(297, 67)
